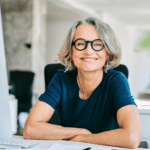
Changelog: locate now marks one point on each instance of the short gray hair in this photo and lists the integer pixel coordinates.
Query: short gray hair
(108, 38)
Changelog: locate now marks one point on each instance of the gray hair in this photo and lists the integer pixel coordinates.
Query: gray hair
(108, 38)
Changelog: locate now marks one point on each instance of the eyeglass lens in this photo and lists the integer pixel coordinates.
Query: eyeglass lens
(81, 44)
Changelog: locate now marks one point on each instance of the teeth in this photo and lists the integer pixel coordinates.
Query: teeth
(89, 59)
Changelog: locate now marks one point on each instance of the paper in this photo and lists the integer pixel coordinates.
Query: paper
(57, 146)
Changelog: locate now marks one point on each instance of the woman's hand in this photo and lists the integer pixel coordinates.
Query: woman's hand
(79, 138)
(85, 131)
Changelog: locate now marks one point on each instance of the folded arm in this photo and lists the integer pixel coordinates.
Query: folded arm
(128, 135)
(36, 126)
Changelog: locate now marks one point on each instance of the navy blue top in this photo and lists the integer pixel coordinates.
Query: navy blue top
(98, 112)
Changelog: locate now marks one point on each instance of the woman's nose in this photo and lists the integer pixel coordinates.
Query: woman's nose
(89, 49)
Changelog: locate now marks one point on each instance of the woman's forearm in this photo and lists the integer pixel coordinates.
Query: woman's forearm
(43, 130)
(117, 137)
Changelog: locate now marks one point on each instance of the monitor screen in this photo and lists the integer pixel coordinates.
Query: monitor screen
(5, 120)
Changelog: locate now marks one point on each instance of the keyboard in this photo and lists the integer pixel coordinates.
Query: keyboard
(16, 144)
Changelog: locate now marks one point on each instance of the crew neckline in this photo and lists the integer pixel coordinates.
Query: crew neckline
(92, 92)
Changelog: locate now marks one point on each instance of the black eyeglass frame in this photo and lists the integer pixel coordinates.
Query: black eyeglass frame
(86, 42)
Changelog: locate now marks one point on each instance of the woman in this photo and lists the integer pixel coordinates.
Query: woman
(96, 104)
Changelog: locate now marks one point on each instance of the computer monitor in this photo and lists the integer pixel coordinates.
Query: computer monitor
(5, 120)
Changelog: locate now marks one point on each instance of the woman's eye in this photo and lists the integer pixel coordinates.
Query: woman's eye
(97, 44)
(80, 44)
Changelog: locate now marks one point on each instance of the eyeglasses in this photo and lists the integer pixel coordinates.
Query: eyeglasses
(81, 44)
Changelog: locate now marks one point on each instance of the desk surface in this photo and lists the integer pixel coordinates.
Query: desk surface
(45, 144)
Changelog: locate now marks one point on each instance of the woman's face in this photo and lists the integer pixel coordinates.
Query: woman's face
(88, 59)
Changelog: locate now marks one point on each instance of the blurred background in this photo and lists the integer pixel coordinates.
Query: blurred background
(34, 31)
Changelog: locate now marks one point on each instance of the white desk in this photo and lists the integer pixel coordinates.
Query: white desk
(45, 144)
(144, 111)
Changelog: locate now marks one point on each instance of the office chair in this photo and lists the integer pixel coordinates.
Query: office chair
(21, 83)
(122, 68)
(49, 71)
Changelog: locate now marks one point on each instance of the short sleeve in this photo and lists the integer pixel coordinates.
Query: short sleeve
(52, 95)
(121, 92)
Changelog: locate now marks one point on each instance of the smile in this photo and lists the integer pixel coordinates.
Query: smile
(89, 59)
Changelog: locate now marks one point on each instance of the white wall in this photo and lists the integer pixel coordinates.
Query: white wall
(137, 62)
(56, 33)
(123, 33)
(141, 64)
